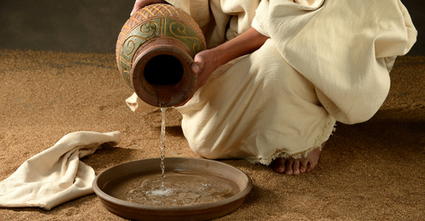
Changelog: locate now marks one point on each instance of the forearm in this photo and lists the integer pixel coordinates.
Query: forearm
(245, 43)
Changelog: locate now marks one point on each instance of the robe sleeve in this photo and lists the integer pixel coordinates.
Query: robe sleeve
(260, 21)
(209, 16)
(346, 49)
(220, 20)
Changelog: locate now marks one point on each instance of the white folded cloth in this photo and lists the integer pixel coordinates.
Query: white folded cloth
(136, 104)
(55, 175)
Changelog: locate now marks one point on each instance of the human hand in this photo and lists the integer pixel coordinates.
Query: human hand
(204, 64)
(142, 3)
(207, 61)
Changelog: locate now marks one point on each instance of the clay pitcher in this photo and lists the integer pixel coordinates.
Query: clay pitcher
(155, 51)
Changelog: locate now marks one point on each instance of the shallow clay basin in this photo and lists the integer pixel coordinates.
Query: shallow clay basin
(205, 211)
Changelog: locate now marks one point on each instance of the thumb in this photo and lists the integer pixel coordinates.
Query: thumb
(198, 64)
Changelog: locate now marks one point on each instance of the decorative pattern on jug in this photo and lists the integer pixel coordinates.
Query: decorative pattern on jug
(150, 23)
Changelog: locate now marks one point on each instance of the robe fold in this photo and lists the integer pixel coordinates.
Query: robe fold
(325, 61)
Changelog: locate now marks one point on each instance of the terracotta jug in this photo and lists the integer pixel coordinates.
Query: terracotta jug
(155, 51)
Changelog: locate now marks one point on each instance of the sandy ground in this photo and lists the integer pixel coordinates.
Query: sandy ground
(369, 171)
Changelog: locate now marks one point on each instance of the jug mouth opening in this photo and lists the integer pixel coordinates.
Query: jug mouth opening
(163, 69)
(162, 74)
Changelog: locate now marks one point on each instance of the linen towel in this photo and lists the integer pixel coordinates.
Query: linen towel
(55, 175)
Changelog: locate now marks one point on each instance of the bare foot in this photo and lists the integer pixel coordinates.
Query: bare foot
(293, 166)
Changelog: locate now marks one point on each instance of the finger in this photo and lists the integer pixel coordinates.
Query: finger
(195, 68)
(198, 64)
(134, 8)
(137, 5)
(142, 3)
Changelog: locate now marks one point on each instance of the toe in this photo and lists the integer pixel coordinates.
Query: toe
(296, 167)
(303, 166)
(309, 167)
(288, 167)
(279, 165)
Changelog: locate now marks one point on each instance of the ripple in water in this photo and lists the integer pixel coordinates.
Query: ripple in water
(180, 189)
(177, 188)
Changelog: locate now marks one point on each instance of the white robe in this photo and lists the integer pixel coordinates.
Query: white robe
(325, 61)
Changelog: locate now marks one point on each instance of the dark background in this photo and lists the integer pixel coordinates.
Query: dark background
(93, 25)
